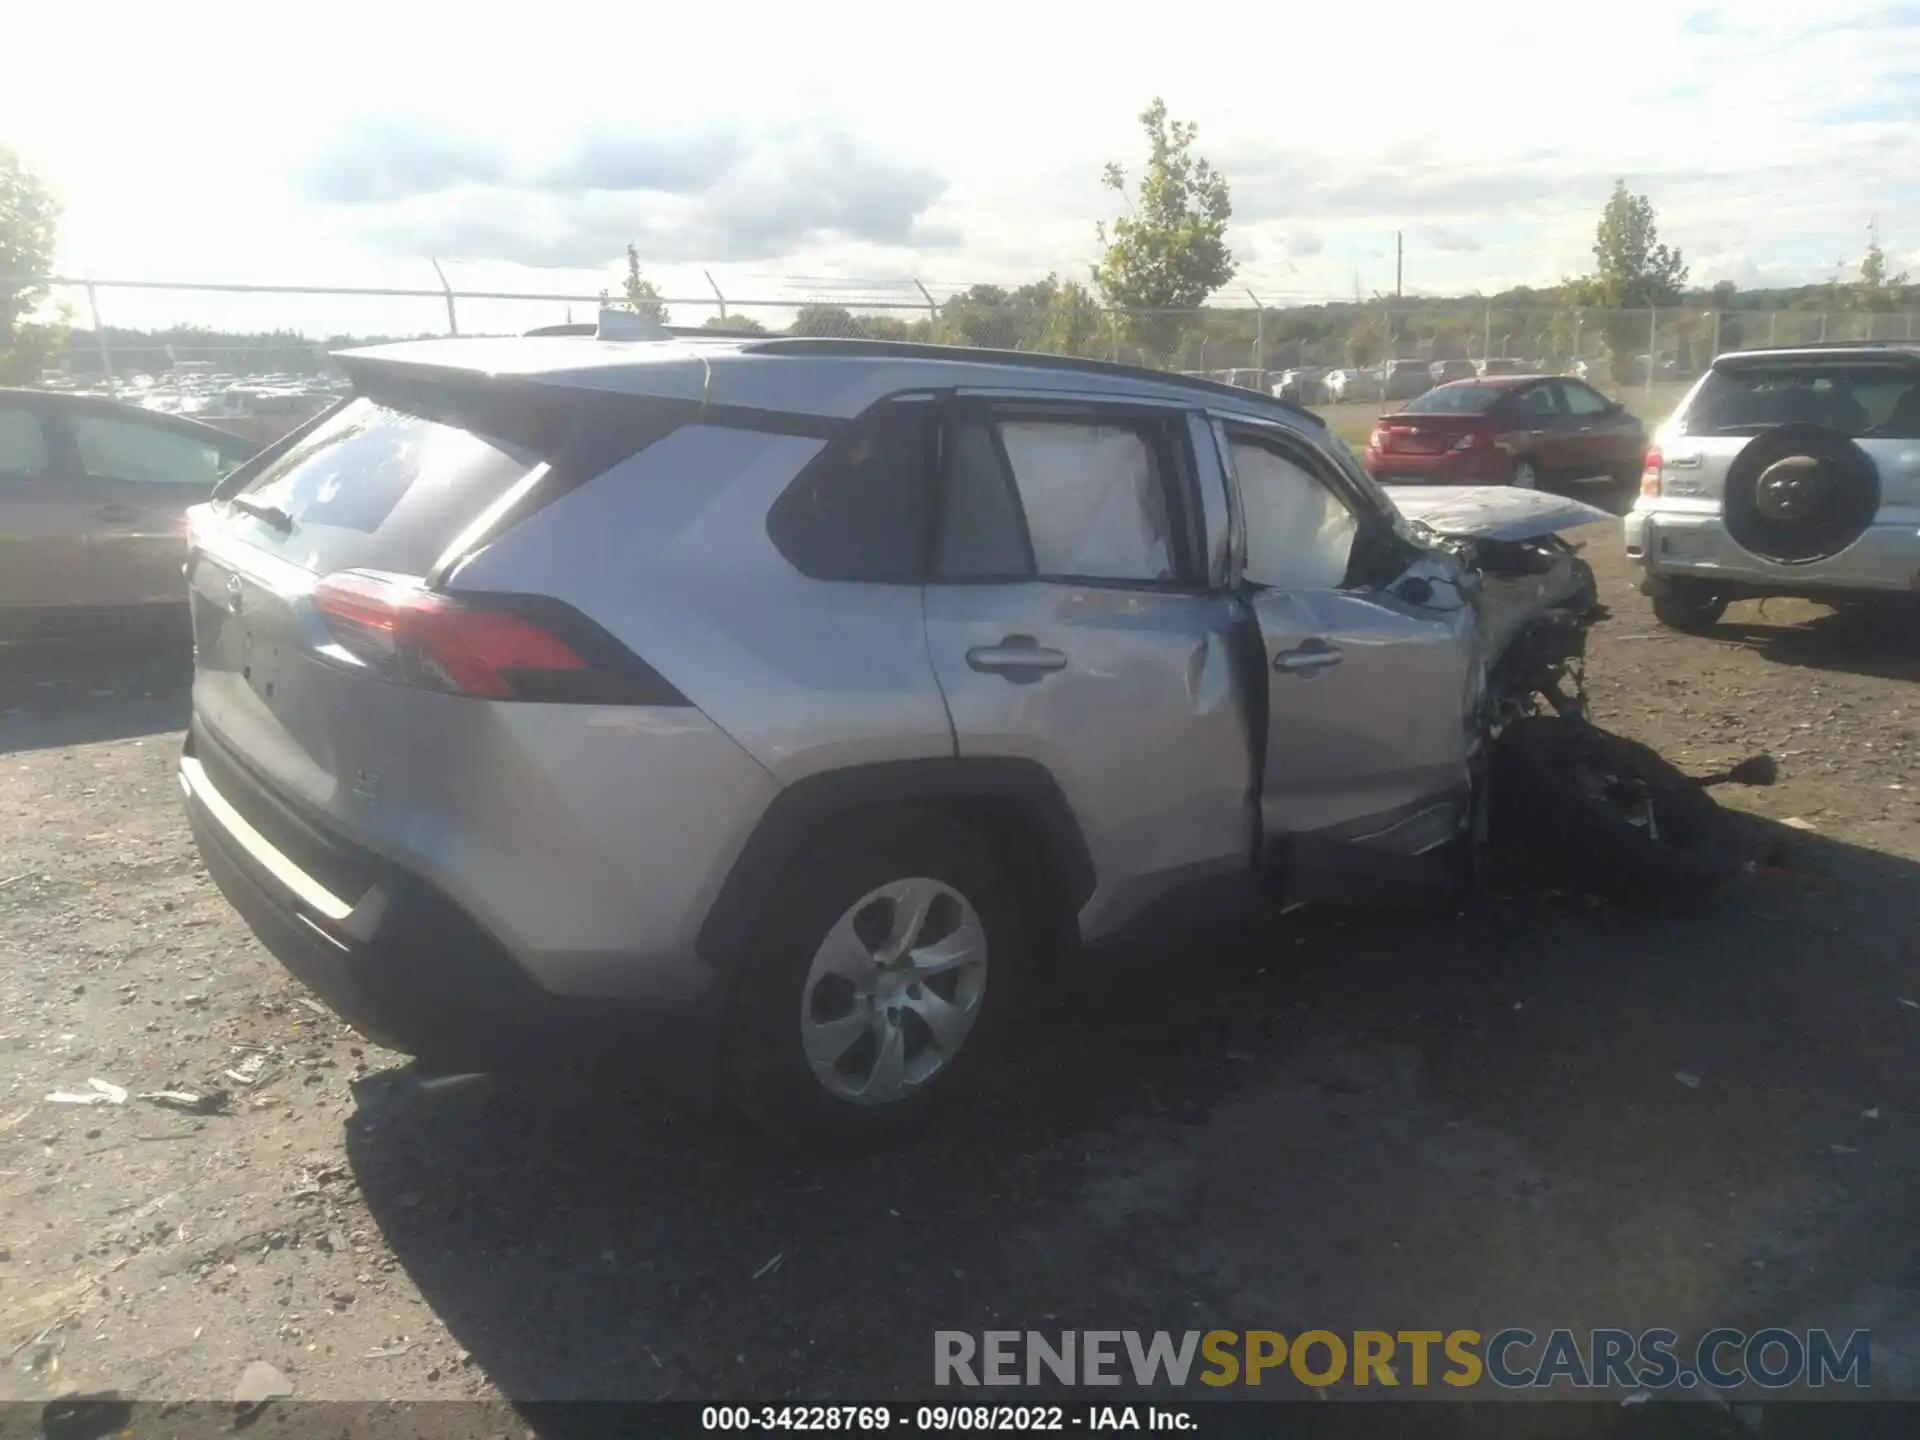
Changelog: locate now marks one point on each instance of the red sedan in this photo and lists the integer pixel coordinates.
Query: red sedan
(1530, 431)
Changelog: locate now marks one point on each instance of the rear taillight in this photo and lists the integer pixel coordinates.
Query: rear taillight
(1378, 439)
(491, 648)
(1650, 474)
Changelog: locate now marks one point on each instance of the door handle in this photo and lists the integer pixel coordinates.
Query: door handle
(1019, 658)
(1309, 659)
(120, 513)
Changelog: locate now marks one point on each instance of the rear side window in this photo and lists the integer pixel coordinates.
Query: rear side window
(859, 510)
(115, 449)
(390, 486)
(1862, 401)
(23, 448)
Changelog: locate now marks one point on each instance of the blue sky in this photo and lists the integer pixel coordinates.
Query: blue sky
(795, 149)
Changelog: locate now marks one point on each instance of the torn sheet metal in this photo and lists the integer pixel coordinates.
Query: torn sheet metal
(1492, 512)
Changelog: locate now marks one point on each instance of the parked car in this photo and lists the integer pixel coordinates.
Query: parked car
(1304, 385)
(1528, 431)
(93, 502)
(669, 697)
(1351, 383)
(1505, 365)
(1783, 472)
(1442, 372)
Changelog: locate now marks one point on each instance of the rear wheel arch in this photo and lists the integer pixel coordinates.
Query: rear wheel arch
(1014, 805)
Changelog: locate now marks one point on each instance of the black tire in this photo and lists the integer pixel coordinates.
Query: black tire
(1544, 769)
(1687, 605)
(765, 1069)
(1799, 493)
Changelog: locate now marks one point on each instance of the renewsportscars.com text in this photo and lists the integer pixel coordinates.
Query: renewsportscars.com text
(1513, 1359)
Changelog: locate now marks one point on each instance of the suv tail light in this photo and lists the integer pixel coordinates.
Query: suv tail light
(1650, 475)
(493, 648)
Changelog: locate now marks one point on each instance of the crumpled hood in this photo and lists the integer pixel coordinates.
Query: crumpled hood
(1492, 512)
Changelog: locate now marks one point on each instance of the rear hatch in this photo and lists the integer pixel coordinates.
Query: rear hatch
(1872, 399)
(321, 649)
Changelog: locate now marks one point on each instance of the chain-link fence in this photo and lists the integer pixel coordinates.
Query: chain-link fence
(254, 336)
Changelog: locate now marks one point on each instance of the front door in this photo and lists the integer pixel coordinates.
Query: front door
(1072, 622)
(142, 476)
(1373, 674)
(1604, 441)
(43, 513)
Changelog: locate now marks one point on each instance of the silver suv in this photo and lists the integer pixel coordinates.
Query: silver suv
(767, 710)
(1784, 472)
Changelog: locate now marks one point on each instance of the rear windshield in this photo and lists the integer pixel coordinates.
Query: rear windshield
(390, 481)
(375, 488)
(1456, 400)
(1861, 401)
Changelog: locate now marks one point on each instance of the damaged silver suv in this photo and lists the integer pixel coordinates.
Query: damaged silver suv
(767, 710)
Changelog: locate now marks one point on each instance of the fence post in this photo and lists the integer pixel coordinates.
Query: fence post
(100, 339)
(453, 319)
(1773, 327)
(933, 311)
(1113, 333)
(1823, 327)
(1486, 337)
(716, 295)
(1716, 334)
(1653, 346)
(1909, 325)
(1259, 356)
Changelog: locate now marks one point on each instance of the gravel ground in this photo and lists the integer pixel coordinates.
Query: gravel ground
(1331, 1121)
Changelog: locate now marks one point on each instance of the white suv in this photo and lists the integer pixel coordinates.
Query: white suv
(1783, 472)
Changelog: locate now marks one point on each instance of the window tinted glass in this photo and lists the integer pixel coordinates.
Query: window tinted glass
(859, 511)
(1580, 400)
(981, 535)
(379, 489)
(145, 454)
(23, 449)
(1299, 534)
(1456, 400)
(1538, 402)
(1864, 401)
(1095, 502)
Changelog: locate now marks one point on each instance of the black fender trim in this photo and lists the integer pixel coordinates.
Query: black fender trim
(1022, 787)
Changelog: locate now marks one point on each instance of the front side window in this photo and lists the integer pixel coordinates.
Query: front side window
(23, 448)
(1300, 535)
(115, 449)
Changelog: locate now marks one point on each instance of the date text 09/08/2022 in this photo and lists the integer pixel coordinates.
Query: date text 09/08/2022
(934, 1418)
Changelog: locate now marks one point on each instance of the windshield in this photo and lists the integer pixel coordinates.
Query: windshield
(1862, 401)
(1456, 400)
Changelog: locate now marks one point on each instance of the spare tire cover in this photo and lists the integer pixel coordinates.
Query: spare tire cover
(1800, 493)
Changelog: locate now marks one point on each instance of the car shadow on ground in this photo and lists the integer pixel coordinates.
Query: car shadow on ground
(1233, 1135)
(104, 686)
(1882, 641)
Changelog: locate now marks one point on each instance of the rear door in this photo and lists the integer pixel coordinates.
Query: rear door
(1540, 427)
(43, 512)
(141, 476)
(1603, 440)
(1372, 693)
(1075, 619)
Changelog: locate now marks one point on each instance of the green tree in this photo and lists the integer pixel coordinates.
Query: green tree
(1169, 252)
(1065, 318)
(1633, 272)
(1877, 290)
(735, 323)
(29, 220)
(833, 321)
(643, 297)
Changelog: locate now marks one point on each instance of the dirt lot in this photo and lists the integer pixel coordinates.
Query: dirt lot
(1334, 1121)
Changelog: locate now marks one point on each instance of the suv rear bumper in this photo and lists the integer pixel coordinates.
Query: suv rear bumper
(412, 972)
(1694, 543)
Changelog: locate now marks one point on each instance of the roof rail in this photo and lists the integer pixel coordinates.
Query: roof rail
(1026, 359)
